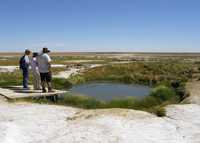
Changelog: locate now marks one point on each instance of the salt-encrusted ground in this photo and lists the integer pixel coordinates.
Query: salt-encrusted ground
(34, 123)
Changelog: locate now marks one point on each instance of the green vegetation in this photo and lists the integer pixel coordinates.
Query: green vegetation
(160, 111)
(61, 83)
(9, 79)
(9, 61)
(141, 73)
(13, 61)
(66, 59)
(163, 93)
(15, 78)
(81, 102)
(168, 80)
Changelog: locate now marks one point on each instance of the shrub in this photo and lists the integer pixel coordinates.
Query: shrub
(161, 112)
(121, 103)
(147, 102)
(163, 93)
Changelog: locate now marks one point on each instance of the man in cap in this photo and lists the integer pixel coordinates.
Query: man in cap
(44, 65)
(24, 66)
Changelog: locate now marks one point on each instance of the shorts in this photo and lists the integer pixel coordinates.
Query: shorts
(46, 77)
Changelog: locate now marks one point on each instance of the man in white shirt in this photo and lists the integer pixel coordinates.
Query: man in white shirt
(24, 66)
(44, 65)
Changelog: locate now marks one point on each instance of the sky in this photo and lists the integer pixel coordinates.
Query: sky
(100, 25)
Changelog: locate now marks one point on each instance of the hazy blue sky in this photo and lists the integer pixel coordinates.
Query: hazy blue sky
(100, 25)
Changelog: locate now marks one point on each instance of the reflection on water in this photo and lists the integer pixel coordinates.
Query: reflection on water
(109, 91)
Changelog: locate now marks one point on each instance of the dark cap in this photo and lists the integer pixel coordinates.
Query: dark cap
(45, 50)
(35, 54)
(27, 51)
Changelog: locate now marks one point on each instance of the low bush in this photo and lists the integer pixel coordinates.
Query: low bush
(163, 93)
(159, 111)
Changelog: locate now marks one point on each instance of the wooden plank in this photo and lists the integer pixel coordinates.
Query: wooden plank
(16, 92)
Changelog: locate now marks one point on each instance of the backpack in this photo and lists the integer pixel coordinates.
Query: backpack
(22, 63)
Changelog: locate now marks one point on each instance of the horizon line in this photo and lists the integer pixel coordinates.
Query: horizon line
(124, 52)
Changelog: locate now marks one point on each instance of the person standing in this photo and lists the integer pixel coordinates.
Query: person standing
(35, 72)
(44, 65)
(24, 66)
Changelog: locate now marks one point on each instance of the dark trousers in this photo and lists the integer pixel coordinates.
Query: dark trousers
(46, 78)
(25, 77)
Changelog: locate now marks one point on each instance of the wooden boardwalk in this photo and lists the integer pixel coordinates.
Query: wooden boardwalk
(16, 92)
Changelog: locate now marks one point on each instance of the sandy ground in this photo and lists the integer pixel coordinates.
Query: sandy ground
(13, 68)
(73, 71)
(35, 123)
(67, 74)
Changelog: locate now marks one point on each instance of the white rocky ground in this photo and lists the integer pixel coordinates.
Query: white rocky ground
(73, 71)
(34, 123)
